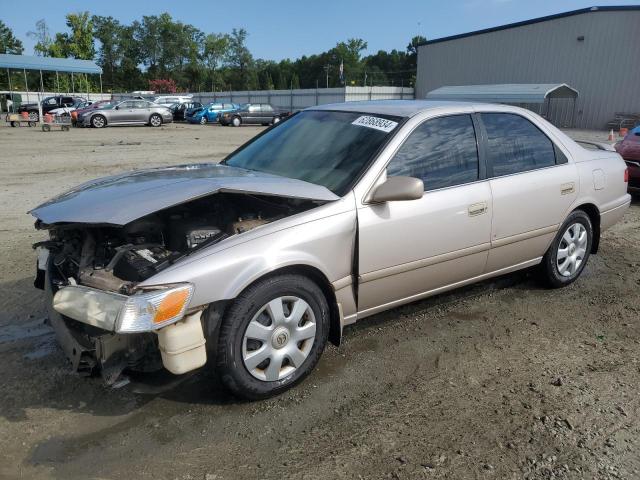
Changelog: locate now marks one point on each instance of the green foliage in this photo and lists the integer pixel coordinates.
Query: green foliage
(8, 43)
(158, 46)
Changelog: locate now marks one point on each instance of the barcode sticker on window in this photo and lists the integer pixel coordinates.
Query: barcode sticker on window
(375, 122)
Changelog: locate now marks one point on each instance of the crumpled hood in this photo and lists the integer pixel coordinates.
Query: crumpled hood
(120, 199)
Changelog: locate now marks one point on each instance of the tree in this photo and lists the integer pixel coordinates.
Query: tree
(8, 43)
(216, 47)
(239, 59)
(163, 85)
(79, 43)
(108, 32)
(42, 37)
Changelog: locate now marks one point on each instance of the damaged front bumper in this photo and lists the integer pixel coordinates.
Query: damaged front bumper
(86, 323)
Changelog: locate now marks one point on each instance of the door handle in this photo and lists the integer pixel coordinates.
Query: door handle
(477, 209)
(567, 188)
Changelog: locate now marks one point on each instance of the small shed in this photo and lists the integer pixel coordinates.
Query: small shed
(534, 96)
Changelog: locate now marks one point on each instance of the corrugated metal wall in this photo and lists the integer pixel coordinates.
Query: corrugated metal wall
(604, 68)
(302, 98)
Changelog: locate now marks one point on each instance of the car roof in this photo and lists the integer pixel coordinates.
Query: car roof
(400, 108)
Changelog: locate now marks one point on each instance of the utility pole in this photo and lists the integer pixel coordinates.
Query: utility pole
(326, 69)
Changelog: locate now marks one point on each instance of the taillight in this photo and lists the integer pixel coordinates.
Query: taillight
(626, 175)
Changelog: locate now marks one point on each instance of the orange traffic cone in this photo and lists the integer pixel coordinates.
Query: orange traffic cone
(611, 136)
(623, 132)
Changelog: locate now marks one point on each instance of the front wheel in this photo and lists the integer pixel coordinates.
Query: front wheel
(272, 336)
(203, 120)
(236, 122)
(568, 254)
(155, 120)
(275, 120)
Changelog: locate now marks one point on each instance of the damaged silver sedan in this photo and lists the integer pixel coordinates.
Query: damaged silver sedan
(335, 214)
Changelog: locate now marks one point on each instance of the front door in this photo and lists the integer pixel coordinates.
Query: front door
(409, 249)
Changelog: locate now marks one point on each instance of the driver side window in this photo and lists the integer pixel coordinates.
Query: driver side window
(442, 152)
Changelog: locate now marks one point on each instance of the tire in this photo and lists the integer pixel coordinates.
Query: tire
(236, 121)
(283, 361)
(569, 252)
(14, 124)
(98, 121)
(33, 116)
(155, 120)
(203, 120)
(275, 120)
(65, 128)
(32, 124)
(46, 128)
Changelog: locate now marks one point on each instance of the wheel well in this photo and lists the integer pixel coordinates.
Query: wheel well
(319, 279)
(594, 215)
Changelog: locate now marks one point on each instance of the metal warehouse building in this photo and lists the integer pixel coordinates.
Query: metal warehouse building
(595, 51)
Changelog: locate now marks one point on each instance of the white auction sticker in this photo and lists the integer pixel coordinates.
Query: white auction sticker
(375, 122)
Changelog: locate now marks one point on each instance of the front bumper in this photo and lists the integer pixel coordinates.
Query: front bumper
(91, 349)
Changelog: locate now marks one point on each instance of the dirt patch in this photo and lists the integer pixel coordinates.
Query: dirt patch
(498, 380)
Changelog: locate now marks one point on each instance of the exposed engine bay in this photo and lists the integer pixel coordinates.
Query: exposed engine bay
(116, 259)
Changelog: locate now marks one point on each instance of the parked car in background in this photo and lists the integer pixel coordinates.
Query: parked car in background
(72, 108)
(209, 113)
(128, 112)
(77, 116)
(179, 109)
(341, 212)
(253, 114)
(629, 149)
(48, 104)
(168, 100)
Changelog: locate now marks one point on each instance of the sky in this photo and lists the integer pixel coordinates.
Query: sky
(289, 29)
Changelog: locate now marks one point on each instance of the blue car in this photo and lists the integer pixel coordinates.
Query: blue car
(209, 113)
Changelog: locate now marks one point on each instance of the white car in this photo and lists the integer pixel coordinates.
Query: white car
(168, 100)
(68, 109)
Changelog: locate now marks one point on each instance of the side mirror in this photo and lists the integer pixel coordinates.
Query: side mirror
(398, 189)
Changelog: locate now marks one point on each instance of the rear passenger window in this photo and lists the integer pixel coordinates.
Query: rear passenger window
(442, 152)
(516, 145)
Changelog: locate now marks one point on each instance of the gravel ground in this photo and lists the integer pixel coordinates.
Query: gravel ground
(499, 380)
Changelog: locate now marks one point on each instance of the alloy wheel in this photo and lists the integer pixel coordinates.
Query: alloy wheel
(278, 338)
(572, 249)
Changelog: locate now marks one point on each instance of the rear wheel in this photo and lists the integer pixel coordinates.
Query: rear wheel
(236, 121)
(98, 121)
(275, 120)
(568, 254)
(272, 336)
(203, 120)
(155, 120)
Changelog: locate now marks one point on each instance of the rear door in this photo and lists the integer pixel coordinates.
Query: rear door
(410, 248)
(532, 184)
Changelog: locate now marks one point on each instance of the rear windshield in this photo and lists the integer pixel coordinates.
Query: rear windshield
(321, 147)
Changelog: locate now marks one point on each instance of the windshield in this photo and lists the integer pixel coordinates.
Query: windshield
(321, 147)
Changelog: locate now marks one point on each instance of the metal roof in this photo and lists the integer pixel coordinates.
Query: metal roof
(49, 64)
(535, 20)
(505, 93)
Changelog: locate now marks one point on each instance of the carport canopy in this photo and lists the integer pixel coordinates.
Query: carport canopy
(504, 93)
(48, 64)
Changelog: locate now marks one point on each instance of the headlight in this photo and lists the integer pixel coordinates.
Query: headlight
(154, 309)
